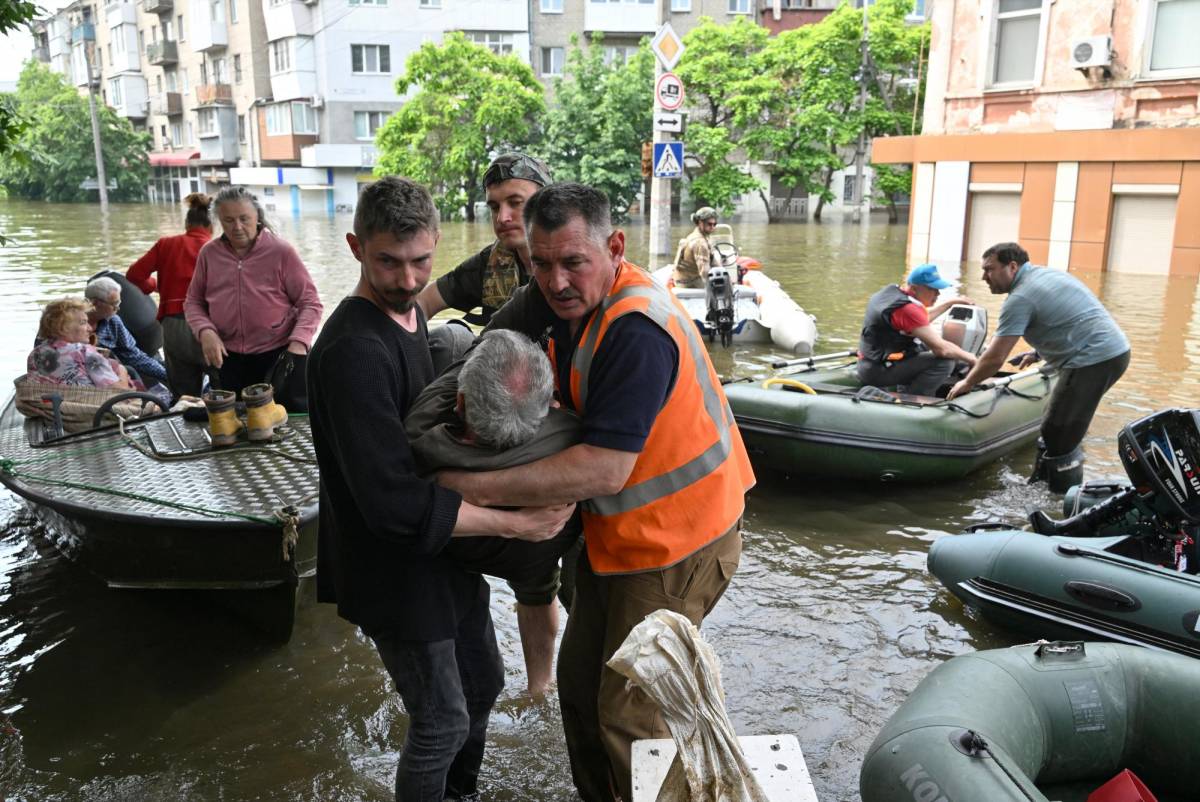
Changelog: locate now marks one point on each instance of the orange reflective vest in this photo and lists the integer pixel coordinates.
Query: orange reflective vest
(689, 483)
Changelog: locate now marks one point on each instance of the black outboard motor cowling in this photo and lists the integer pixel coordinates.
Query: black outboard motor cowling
(719, 296)
(1161, 455)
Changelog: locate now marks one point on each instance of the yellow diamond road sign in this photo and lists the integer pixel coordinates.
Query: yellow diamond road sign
(667, 46)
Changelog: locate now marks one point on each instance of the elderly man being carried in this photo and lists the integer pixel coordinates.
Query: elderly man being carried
(494, 411)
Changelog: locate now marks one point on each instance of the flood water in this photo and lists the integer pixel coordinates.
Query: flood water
(831, 620)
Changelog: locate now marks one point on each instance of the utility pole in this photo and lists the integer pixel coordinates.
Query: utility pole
(660, 188)
(101, 176)
(861, 153)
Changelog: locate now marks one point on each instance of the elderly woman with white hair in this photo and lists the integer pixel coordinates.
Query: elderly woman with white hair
(112, 333)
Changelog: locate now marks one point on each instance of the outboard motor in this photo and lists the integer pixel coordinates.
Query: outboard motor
(966, 326)
(1161, 456)
(719, 293)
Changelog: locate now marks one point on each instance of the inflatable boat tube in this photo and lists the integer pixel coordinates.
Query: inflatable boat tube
(1040, 722)
(139, 313)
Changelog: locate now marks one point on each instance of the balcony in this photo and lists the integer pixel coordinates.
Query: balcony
(207, 33)
(42, 53)
(158, 6)
(120, 13)
(83, 33)
(166, 104)
(214, 95)
(162, 53)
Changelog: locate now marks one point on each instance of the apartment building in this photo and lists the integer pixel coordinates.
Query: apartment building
(1071, 126)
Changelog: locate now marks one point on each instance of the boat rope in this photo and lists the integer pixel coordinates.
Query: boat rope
(1002, 389)
(976, 743)
(8, 466)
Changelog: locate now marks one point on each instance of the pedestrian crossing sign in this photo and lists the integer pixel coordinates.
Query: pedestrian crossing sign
(668, 159)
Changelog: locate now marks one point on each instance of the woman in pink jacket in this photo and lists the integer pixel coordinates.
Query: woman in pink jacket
(252, 304)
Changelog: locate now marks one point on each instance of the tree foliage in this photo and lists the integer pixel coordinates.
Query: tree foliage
(720, 69)
(56, 139)
(467, 103)
(601, 116)
(793, 102)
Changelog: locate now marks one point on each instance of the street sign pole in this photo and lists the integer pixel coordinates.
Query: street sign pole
(660, 188)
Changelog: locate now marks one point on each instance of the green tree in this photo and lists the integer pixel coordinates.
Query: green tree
(13, 14)
(721, 69)
(898, 89)
(601, 116)
(57, 141)
(467, 104)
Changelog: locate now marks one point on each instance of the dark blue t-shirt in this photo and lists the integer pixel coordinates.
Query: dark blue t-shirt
(632, 374)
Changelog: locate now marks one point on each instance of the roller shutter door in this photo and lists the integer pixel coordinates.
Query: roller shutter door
(995, 217)
(1143, 228)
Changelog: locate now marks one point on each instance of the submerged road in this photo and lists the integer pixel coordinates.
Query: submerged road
(830, 621)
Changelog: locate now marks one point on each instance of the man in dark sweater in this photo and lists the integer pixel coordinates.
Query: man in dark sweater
(382, 529)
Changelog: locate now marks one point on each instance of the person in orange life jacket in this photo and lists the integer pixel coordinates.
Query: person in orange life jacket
(661, 470)
(899, 347)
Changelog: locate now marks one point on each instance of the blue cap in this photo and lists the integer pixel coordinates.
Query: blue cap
(928, 276)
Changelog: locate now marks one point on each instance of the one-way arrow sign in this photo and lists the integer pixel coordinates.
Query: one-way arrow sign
(668, 122)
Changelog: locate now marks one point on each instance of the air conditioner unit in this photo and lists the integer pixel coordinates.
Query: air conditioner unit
(1094, 51)
(317, 101)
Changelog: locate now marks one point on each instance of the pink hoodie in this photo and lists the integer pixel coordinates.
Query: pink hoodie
(257, 302)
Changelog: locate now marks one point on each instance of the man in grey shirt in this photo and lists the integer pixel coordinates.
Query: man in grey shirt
(1072, 331)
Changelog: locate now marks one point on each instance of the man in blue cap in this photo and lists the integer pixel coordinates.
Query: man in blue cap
(898, 346)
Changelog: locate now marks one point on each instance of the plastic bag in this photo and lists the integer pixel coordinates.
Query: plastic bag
(665, 656)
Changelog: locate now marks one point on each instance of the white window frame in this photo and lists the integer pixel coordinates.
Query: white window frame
(626, 52)
(993, 37)
(740, 7)
(207, 118)
(114, 92)
(308, 115)
(378, 117)
(681, 6)
(499, 42)
(430, 4)
(379, 50)
(233, 13)
(280, 54)
(551, 6)
(176, 135)
(277, 119)
(1148, 17)
(561, 52)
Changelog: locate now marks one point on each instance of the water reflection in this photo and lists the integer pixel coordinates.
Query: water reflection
(831, 620)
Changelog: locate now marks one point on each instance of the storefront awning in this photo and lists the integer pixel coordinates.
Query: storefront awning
(173, 158)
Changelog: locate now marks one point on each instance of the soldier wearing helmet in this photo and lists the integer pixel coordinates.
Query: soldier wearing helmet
(694, 256)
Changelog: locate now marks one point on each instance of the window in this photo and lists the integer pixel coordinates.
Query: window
(114, 92)
(233, 17)
(237, 69)
(219, 73)
(176, 138)
(495, 41)
(141, 42)
(216, 11)
(431, 3)
(203, 72)
(242, 128)
(367, 59)
(208, 121)
(304, 119)
(1015, 43)
(739, 6)
(552, 6)
(158, 84)
(281, 55)
(110, 58)
(1173, 41)
(191, 134)
(552, 60)
(848, 183)
(368, 2)
(167, 30)
(179, 27)
(277, 120)
(619, 53)
(165, 141)
(367, 123)
(172, 80)
(681, 5)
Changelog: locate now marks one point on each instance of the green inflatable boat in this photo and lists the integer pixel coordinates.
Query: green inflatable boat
(1049, 721)
(821, 422)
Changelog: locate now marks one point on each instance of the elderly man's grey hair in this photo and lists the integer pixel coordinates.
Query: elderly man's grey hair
(507, 384)
(100, 288)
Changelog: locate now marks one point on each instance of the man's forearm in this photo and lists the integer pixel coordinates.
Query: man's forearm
(578, 473)
(985, 368)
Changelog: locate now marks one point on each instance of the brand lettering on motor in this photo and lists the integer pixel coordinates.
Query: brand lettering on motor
(1188, 470)
(921, 785)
